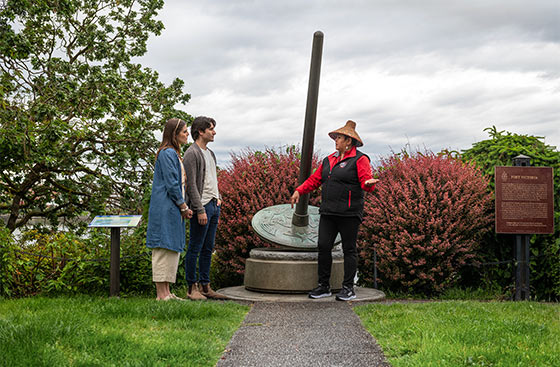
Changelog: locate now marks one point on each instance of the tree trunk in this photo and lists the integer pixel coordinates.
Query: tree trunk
(14, 212)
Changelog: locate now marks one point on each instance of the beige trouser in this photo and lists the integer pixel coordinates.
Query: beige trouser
(164, 265)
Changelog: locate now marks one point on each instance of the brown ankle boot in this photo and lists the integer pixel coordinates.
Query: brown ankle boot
(207, 291)
(194, 294)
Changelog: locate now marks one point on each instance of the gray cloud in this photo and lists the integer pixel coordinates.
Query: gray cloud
(431, 74)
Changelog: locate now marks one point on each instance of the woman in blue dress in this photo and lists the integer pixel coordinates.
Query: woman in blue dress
(168, 208)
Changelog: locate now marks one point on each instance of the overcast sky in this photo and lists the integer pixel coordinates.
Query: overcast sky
(432, 73)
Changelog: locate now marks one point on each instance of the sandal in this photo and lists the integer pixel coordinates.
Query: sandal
(173, 296)
(167, 298)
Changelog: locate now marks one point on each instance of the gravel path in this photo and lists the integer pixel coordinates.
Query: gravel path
(302, 334)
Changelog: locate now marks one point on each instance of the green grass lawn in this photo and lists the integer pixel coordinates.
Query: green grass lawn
(466, 333)
(93, 331)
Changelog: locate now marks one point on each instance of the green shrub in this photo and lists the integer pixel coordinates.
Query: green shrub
(500, 150)
(219, 278)
(62, 262)
(6, 264)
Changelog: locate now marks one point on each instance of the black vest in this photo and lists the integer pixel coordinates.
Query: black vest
(341, 192)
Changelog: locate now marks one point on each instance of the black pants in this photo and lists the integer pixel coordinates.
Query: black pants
(329, 227)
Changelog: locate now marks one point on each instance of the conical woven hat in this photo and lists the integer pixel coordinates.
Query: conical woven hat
(349, 130)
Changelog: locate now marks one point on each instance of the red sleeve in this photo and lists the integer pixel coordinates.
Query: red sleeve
(312, 183)
(364, 173)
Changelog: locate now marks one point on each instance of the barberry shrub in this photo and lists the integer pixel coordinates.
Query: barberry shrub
(253, 181)
(424, 219)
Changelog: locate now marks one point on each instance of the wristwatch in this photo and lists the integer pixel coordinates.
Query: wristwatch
(184, 210)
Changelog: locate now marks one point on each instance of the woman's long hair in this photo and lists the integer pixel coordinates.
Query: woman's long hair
(170, 131)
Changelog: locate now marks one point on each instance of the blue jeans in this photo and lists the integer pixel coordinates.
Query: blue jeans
(201, 245)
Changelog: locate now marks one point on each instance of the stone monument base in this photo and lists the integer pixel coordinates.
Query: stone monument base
(284, 271)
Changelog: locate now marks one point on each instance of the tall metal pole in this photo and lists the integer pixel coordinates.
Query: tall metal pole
(301, 217)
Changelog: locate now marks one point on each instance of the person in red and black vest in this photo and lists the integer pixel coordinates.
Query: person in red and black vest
(343, 176)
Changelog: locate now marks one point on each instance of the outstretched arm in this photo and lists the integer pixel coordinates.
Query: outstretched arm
(367, 182)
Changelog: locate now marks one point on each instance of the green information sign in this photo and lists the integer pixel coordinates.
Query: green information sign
(115, 221)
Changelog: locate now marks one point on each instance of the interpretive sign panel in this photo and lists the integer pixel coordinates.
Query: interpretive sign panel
(115, 221)
(524, 200)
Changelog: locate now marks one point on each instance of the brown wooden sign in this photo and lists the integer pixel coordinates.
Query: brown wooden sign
(524, 200)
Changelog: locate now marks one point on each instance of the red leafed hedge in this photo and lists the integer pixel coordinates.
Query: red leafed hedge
(254, 181)
(424, 218)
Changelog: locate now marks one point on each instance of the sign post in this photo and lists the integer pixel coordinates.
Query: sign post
(522, 253)
(115, 222)
(524, 206)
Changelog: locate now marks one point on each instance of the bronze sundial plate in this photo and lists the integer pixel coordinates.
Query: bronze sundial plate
(274, 224)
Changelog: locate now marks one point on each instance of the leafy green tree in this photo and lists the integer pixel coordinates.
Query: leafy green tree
(500, 150)
(77, 114)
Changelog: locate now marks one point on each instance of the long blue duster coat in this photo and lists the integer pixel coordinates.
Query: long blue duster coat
(166, 228)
